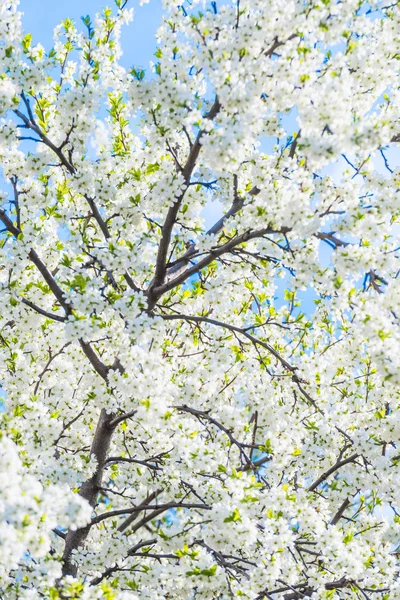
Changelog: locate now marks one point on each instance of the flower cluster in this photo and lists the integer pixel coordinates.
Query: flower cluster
(191, 411)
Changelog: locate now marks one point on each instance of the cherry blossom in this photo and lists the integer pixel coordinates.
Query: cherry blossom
(196, 411)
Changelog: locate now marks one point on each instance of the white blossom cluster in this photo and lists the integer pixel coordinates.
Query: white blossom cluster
(28, 512)
(192, 412)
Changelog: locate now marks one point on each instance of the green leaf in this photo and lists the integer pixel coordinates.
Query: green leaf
(26, 42)
(19, 410)
(152, 168)
(235, 516)
(138, 73)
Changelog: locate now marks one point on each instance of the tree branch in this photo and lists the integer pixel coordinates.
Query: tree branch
(155, 292)
(161, 261)
(132, 551)
(89, 489)
(201, 414)
(138, 509)
(340, 512)
(31, 124)
(237, 205)
(335, 467)
(120, 418)
(42, 312)
(244, 332)
(122, 459)
(98, 217)
(133, 516)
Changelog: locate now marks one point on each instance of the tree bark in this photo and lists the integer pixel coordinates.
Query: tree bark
(89, 489)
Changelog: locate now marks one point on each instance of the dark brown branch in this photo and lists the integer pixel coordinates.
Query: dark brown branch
(233, 328)
(68, 425)
(335, 467)
(97, 364)
(142, 544)
(330, 237)
(130, 282)
(102, 438)
(201, 414)
(146, 520)
(120, 418)
(303, 589)
(138, 509)
(132, 517)
(49, 279)
(276, 43)
(258, 462)
(294, 143)
(185, 258)
(47, 366)
(195, 149)
(161, 261)
(8, 223)
(216, 252)
(31, 124)
(89, 489)
(43, 312)
(156, 556)
(14, 181)
(340, 512)
(237, 205)
(132, 552)
(59, 533)
(95, 211)
(122, 459)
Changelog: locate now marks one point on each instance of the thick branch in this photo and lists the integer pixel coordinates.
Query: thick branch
(161, 262)
(49, 279)
(89, 489)
(8, 223)
(97, 364)
(120, 418)
(237, 205)
(216, 252)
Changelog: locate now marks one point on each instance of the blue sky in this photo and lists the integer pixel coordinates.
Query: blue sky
(138, 38)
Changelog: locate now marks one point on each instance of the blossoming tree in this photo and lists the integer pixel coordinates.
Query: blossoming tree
(175, 425)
